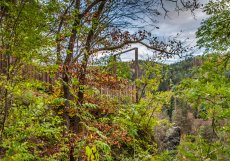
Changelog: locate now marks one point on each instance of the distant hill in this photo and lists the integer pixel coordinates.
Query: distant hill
(176, 72)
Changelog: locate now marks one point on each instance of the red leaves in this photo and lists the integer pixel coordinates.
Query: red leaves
(115, 135)
(72, 70)
(119, 36)
(97, 79)
(94, 76)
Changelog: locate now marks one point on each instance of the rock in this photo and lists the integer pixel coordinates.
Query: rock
(167, 138)
(172, 138)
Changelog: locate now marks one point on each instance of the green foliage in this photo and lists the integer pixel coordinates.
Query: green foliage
(196, 148)
(32, 115)
(209, 90)
(105, 150)
(109, 65)
(163, 156)
(208, 93)
(97, 151)
(141, 119)
(25, 35)
(173, 74)
(90, 105)
(92, 153)
(31, 130)
(214, 32)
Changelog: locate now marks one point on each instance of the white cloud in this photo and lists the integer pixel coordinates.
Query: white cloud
(185, 23)
(171, 26)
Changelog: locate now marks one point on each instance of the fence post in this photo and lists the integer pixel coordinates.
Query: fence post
(136, 73)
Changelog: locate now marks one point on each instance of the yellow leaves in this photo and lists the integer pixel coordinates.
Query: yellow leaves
(60, 112)
(92, 153)
(57, 92)
(72, 112)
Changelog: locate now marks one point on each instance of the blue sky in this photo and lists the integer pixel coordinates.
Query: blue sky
(185, 23)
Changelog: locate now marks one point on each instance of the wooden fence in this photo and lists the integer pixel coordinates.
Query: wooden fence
(128, 92)
(34, 73)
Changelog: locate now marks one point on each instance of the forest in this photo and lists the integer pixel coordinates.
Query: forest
(66, 93)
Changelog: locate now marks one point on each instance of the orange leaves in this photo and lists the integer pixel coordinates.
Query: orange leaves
(72, 70)
(94, 76)
(115, 135)
(98, 79)
(119, 36)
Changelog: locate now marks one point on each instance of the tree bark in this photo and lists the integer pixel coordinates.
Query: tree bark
(83, 70)
(67, 63)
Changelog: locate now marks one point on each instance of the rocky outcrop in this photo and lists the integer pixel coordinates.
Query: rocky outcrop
(172, 138)
(167, 138)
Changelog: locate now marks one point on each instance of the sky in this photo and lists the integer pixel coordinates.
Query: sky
(184, 23)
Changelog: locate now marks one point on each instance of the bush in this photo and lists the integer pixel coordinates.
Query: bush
(32, 132)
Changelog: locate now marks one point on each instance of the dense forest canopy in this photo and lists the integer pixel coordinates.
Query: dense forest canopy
(57, 103)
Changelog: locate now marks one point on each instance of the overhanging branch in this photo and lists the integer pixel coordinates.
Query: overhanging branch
(132, 42)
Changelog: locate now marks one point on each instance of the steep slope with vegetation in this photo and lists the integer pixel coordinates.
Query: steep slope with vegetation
(56, 106)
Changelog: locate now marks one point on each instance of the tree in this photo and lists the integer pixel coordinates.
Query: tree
(22, 40)
(213, 33)
(88, 27)
(208, 90)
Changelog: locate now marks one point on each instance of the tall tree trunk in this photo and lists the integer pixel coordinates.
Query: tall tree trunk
(67, 63)
(6, 72)
(59, 38)
(72, 124)
(83, 70)
(67, 97)
(82, 80)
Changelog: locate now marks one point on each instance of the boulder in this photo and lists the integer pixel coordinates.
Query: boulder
(172, 138)
(167, 138)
